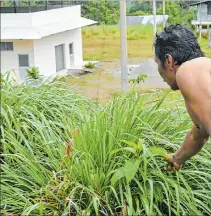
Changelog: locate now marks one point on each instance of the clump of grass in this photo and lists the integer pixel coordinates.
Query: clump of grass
(90, 65)
(63, 154)
(33, 72)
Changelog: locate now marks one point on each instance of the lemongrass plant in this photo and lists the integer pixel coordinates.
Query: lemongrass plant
(63, 154)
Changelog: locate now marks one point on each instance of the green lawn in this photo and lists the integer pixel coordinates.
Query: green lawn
(103, 42)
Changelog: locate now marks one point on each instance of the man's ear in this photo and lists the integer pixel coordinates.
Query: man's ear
(169, 60)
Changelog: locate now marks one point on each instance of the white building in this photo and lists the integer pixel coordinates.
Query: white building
(50, 40)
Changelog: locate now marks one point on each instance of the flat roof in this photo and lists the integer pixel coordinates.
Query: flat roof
(199, 2)
(38, 32)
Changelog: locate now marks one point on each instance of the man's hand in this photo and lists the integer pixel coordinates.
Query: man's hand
(172, 164)
(193, 143)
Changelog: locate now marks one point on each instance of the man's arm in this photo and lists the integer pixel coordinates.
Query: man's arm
(196, 92)
(193, 143)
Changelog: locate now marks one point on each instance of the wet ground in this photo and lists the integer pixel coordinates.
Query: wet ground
(147, 66)
(105, 80)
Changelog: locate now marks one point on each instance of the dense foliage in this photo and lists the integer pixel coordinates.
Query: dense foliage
(178, 13)
(66, 155)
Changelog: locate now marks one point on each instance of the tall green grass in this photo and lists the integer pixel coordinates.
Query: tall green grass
(109, 35)
(134, 32)
(66, 155)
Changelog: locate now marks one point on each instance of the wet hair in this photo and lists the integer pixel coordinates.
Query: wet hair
(179, 42)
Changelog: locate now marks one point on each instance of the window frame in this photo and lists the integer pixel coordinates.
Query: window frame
(209, 8)
(72, 48)
(19, 60)
(6, 46)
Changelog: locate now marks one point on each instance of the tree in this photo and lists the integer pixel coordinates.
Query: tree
(104, 12)
(177, 13)
(140, 6)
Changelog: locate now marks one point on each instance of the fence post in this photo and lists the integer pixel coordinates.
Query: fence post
(30, 7)
(14, 4)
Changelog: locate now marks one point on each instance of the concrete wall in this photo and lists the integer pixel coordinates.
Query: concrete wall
(9, 59)
(143, 20)
(44, 51)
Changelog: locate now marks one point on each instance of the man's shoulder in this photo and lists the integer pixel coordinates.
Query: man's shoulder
(193, 68)
(193, 77)
(195, 63)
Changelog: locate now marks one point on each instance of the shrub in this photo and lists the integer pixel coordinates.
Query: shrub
(90, 65)
(33, 72)
(138, 79)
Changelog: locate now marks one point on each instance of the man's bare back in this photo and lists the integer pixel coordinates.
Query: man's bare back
(194, 81)
(183, 66)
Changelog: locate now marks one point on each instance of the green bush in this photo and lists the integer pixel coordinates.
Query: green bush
(205, 35)
(90, 65)
(33, 72)
(139, 79)
(66, 155)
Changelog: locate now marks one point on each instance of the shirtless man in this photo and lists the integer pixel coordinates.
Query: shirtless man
(182, 65)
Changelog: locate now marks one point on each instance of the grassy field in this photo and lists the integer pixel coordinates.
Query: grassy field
(102, 43)
(64, 154)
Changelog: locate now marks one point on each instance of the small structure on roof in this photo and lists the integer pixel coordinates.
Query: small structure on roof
(144, 20)
(50, 40)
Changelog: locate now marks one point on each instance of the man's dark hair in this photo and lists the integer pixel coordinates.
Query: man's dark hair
(179, 42)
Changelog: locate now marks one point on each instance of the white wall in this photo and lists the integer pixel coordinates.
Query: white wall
(9, 59)
(44, 50)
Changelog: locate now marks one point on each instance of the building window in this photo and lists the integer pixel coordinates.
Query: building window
(71, 51)
(6, 46)
(23, 60)
(209, 8)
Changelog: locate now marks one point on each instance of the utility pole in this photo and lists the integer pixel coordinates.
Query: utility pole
(154, 13)
(15, 7)
(123, 37)
(29, 7)
(164, 13)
